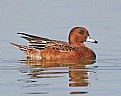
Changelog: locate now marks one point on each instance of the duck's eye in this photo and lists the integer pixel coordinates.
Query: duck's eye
(81, 32)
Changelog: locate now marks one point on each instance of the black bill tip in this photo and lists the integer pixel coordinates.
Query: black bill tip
(95, 42)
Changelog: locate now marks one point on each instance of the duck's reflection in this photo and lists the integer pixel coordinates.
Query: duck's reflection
(77, 70)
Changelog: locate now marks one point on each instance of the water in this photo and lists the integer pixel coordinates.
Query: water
(54, 19)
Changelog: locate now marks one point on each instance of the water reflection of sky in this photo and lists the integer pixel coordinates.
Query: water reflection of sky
(77, 73)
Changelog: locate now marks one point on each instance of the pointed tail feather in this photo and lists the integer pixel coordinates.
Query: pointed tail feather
(16, 45)
(21, 47)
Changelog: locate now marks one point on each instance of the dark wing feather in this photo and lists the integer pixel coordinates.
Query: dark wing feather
(25, 34)
(33, 38)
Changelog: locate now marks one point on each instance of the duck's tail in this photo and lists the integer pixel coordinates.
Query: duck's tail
(21, 47)
(16, 45)
(28, 50)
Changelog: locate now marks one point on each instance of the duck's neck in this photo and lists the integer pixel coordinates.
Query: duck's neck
(74, 41)
(77, 44)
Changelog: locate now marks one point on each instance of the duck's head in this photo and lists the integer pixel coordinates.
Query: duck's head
(78, 35)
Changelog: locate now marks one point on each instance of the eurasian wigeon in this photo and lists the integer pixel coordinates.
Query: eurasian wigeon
(44, 48)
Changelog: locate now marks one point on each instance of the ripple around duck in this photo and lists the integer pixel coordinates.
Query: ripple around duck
(38, 93)
(78, 92)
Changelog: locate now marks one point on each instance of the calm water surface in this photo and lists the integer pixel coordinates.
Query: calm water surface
(54, 19)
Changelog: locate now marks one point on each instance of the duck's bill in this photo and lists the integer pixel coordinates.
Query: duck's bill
(89, 39)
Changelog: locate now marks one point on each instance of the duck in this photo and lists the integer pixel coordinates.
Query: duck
(40, 48)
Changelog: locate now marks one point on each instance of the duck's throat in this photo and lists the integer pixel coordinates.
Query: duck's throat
(78, 44)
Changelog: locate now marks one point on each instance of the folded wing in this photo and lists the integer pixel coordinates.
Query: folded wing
(42, 43)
